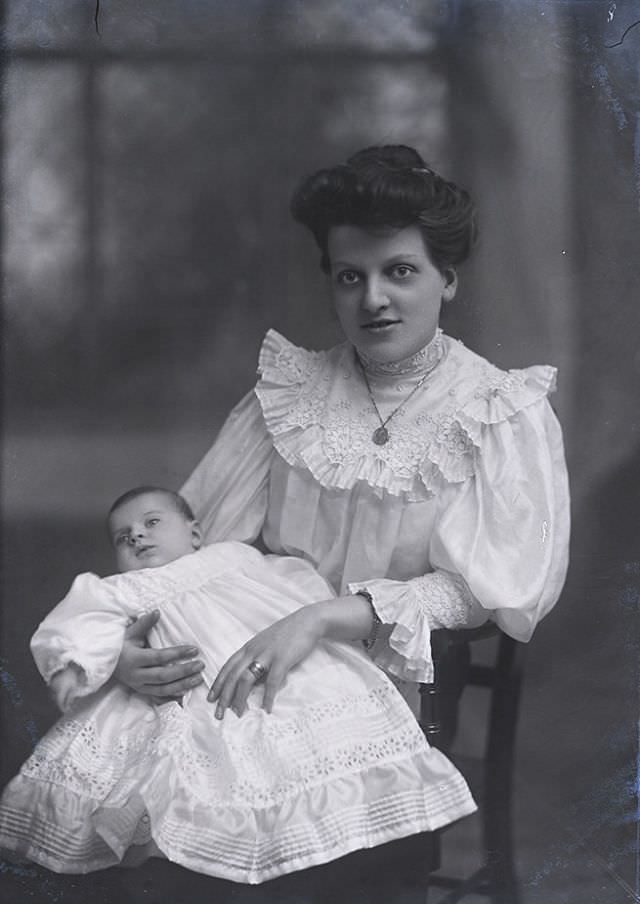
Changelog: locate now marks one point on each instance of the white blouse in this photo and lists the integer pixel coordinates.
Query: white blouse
(461, 516)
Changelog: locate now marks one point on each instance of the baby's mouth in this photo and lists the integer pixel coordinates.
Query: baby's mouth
(144, 550)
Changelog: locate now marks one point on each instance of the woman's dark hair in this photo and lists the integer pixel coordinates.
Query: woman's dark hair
(389, 187)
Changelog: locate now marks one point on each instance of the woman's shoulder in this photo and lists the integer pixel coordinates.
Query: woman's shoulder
(282, 359)
(476, 377)
(484, 393)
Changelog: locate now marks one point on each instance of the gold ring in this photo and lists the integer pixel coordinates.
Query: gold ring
(258, 670)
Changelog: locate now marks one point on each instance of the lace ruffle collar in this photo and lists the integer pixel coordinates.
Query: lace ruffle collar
(321, 420)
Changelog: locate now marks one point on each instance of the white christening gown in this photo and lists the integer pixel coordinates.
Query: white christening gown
(340, 764)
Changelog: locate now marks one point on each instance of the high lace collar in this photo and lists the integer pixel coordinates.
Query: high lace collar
(416, 365)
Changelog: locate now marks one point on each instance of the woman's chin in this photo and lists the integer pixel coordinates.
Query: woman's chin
(388, 345)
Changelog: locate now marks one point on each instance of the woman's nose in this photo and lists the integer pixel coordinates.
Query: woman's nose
(373, 297)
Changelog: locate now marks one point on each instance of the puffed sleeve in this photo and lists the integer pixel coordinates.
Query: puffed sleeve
(499, 548)
(228, 489)
(85, 630)
(507, 531)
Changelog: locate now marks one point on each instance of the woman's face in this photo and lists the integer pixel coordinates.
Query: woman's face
(386, 291)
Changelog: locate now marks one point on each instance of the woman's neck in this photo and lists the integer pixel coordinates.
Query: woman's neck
(418, 364)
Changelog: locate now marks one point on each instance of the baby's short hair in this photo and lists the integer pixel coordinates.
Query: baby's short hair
(181, 504)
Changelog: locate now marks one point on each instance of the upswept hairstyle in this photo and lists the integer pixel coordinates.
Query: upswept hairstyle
(181, 504)
(389, 186)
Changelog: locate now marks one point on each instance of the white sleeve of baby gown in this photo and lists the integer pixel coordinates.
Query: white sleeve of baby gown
(83, 634)
(499, 549)
(228, 489)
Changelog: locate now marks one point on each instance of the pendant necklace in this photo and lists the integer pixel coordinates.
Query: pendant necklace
(380, 435)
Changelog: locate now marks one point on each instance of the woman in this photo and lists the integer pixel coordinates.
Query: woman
(426, 485)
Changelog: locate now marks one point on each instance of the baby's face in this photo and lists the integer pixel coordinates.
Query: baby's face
(149, 531)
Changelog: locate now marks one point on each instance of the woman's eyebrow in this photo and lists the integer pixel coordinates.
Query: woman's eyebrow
(394, 259)
(403, 256)
(344, 264)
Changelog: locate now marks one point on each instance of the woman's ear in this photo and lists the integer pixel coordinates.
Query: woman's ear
(196, 535)
(451, 284)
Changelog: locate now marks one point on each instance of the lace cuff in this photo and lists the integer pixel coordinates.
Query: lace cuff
(414, 608)
(447, 601)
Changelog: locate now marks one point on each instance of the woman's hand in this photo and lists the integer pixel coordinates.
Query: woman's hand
(278, 648)
(283, 645)
(160, 673)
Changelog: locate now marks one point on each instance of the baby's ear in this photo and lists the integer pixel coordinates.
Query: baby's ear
(196, 534)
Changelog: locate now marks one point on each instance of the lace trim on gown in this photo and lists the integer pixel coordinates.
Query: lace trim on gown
(349, 773)
(321, 419)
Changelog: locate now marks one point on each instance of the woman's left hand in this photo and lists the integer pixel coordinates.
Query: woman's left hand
(286, 643)
(278, 648)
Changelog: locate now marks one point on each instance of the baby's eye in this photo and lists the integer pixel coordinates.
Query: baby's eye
(121, 539)
(347, 278)
(151, 522)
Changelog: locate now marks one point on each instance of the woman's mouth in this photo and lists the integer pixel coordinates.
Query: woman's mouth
(379, 326)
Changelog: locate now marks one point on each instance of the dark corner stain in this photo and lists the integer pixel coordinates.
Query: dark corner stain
(10, 685)
(50, 886)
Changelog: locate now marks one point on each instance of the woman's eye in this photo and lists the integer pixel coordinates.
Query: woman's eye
(347, 278)
(402, 271)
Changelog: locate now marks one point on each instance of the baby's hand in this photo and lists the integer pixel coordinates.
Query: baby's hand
(64, 685)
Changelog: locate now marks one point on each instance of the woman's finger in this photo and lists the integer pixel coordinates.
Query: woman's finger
(149, 657)
(246, 683)
(138, 630)
(228, 691)
(231, 666)
(172, 689)
(273, 683)
(157, 680)
(235, 685)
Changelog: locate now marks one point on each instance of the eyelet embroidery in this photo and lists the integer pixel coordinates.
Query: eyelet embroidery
(233, 769)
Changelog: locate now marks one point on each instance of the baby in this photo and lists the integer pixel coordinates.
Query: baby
(339, 763)
(148, 526)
